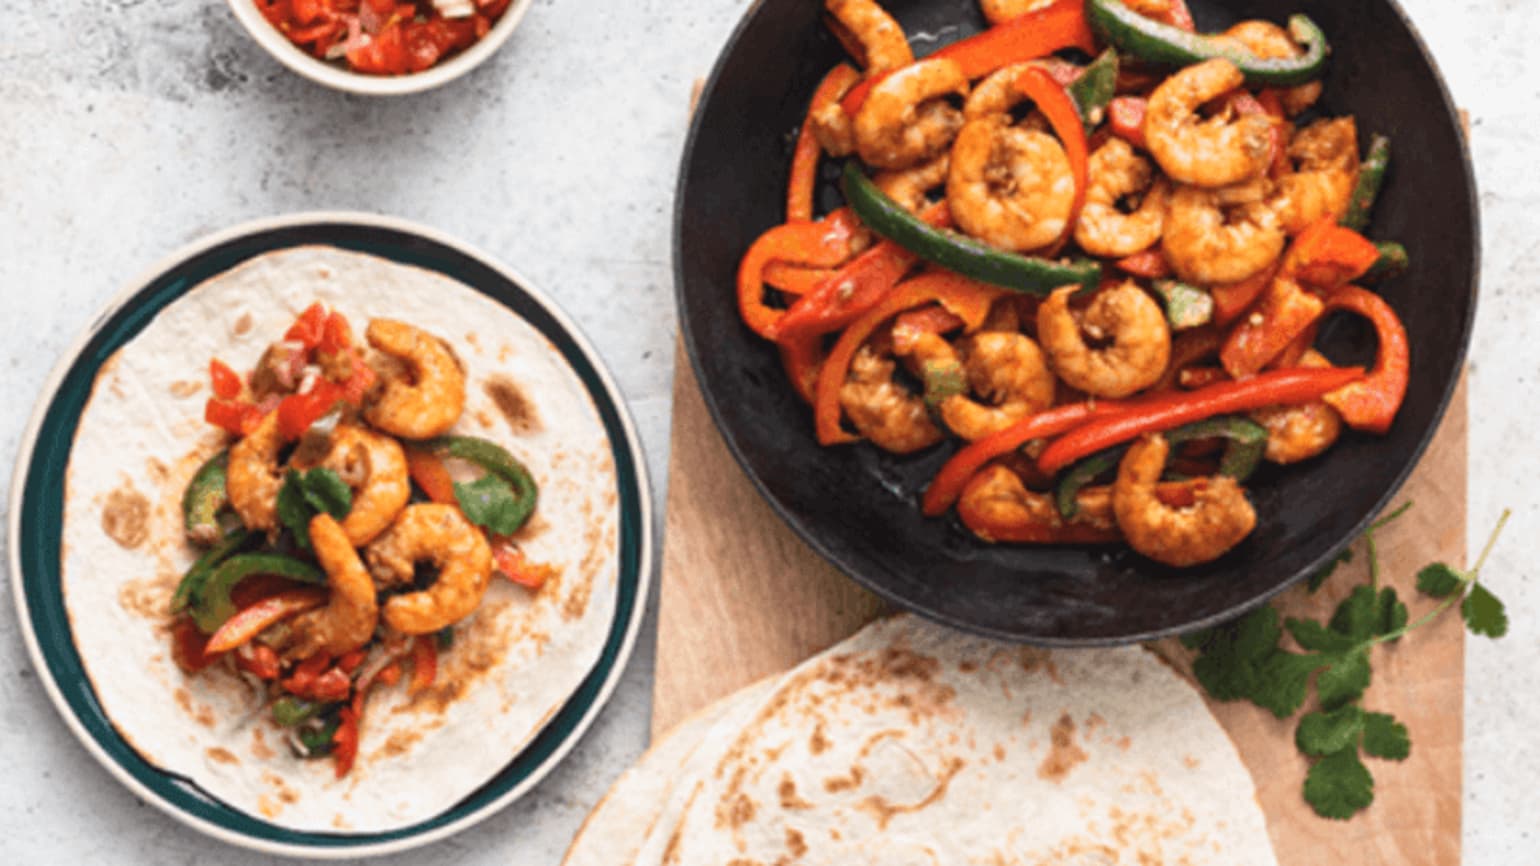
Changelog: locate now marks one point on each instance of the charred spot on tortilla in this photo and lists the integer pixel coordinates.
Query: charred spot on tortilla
(221, 755)
(243, 324)
(1064, 754)
(516, 408)
(126, 516)
(183, 388)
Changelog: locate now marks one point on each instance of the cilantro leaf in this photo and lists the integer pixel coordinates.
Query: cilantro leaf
(1439, 580)
(1284, 680)
(1484, 613)
(1392, 611)
(294, 510)
(489, 501)
(1321, 576)
(1330, 732)
(1196, 639)
(1344, 680)
(1233, 653)
(1384, 737)
(1357, 616)
(1316, 637)
(1339, 786)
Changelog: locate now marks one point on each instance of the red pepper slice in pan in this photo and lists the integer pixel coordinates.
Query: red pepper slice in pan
(804, 159)
(821, 244)
(1166, 411)
(1125, 116)
(1150, 264)
(795, 279)
(1372, 403)
(1285, 312)
(1064, 116)
(1327, 255)
(1235, 298)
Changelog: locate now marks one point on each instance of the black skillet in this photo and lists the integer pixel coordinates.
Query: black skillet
(858, 506)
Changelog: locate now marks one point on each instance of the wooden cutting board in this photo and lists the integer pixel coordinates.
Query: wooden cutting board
(743, 598)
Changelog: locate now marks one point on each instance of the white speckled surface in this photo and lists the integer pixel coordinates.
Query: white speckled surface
(132, 126)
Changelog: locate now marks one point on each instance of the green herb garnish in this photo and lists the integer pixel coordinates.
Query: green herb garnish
(306, 494)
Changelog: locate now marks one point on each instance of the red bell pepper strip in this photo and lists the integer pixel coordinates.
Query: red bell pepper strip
(932, 319)
(820, 244)
(259, 660)
(351, 660)
(427, 471)
(795, 279)
(250, 622)
(1064, 117)
(512, 564)
(1029, 37)
(189, 646)
(389, 675)
(948, 484)
(1125, 116)
(424, 661)
(1294, 353)
(226, 383)
(1193, 378)
(306, 673)
(1188, 348)
(1285, 312)
(1235, 298)
(997, 507)
(802, 357)
(329, 687)
(1166, 411)
(969, 299)
(1150, 264)
(856, 288)
(1372, 403)
(804, 159)
(345, 739)
(1327, 255)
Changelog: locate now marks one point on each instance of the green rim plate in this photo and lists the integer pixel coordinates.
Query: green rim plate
(36, 521)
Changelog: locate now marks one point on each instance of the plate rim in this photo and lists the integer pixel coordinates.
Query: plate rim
(48, 393)
(1467, 328)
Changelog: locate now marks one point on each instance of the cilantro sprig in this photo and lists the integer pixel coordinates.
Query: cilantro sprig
(306, 494)
(1243, 660)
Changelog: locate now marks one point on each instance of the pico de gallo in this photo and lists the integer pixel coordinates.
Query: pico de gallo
(384, 37)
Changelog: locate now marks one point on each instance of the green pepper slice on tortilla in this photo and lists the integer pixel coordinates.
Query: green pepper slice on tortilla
(213, 605)
(204, 498)
(505, 497)
(192, 582)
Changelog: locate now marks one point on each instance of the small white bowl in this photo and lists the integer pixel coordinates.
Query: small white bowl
(339, 77)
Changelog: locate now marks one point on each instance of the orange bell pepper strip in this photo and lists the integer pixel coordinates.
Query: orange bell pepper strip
(1371, 404)
(1235, 298)
(822, 244)
(932, 319)
(997, 507)
(949, 483)
(1283, 314)
(512, 564)
(1028, 37)
(1294, 353)
(1064, 117)
(1166, 411)
(427, 471)
(1327, 255)
(250, 622)
(804, 159)
(795, 279)
(802, 357)
(1188, 348)
(969, 299)
(1125, 117)
(424, 661)
(1150, 264)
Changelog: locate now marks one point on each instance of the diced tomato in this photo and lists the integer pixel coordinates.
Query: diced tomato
(429, 473)
(259, 660)
(309, 327)
(226, 382)
(512, 564)
(333, 685)
(306, 673)
(350, 661)
(189, 645)
(232, 416)
(298, 411)
(336, 335)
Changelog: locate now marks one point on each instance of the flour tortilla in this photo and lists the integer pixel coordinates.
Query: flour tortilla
(514, 662)
(614, 830)
(912, 745)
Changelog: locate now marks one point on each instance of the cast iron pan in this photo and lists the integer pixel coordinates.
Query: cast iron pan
(858, 507)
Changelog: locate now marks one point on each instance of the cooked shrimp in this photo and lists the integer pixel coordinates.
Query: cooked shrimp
(1008, 371)
(1001, 11)
(429, 400)
(1008, 186)
(1129, 325)
(910, 187)
(1296, 433)
(996, 94)
(997, 506)
(1218, 519)
(253, 477)
(438, 534)
(870, 34)
(1326, 153)
(1115, 174)
(1271, 42)
(1210, 243)
(374, 467)
(905, 119)
(1213, 152)
(835, 131)
(882, 410)
(347, 621)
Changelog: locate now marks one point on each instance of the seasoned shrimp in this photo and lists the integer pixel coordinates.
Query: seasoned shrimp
(1326, 153)
(1271, 42)
(1210, 243)
(996, 506)
(1296, 433)
(1008, 186)
(1129, 325)
(429, 399)
(347, 621)
(870, 34)
(1008, 371)
(1218, 519)
(438, 534)
(882, 410)
(253, 477)
(1115, 174)
(1001, 11)
(905, 119)
(911, 186)
(996, 94)
(374, 466)
(1218, 151)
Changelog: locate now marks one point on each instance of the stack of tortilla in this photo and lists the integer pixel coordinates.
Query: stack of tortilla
(913, 745)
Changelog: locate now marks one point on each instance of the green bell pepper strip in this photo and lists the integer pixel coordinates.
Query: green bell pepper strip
(1248, 442)
(319, 743)
(1095, 87)
(1371, 176)
(497, 461)
(213, 606)
(204, 498)
(289, 711)
(1148, 39)
(188, 590)
(1393, 261)
(1187, 306)
(971, 258)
